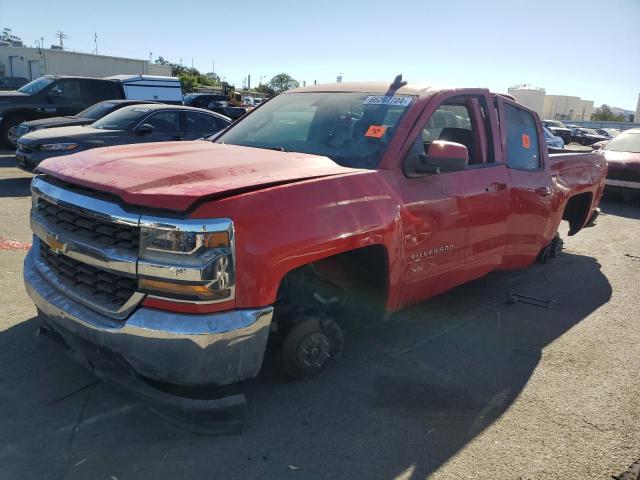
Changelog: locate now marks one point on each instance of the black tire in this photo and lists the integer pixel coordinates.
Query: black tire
(552, 250)
(9, 127)
(310, 343)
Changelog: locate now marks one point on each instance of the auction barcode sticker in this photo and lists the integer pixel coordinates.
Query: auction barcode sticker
(387, 100)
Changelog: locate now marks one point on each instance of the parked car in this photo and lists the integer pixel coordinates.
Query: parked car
(623, 161)
(558, 129)
(142, 123)
(216, 103)
(552, 140)
(326, 199)
(85, 117)
(586, 136)
(12, 83)
(609, 133)
(54, 96)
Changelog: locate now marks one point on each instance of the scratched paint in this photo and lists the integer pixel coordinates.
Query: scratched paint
(13, 245)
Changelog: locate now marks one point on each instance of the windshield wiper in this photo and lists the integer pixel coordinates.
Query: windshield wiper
(275, 147)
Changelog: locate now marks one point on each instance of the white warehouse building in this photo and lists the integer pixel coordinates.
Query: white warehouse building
(32, 63)
(552, 107)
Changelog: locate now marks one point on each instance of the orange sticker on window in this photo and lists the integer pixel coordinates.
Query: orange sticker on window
(525, 141)
(375, 131)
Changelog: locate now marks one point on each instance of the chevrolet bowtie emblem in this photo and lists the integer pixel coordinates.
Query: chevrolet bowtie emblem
(56, 245)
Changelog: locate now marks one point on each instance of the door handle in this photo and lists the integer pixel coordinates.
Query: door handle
(496, 187)
(543, 191)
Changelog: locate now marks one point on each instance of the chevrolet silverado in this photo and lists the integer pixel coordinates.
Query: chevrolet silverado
(182, 260)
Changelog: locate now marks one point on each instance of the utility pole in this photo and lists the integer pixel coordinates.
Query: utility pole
(61, 36)
(95, 40)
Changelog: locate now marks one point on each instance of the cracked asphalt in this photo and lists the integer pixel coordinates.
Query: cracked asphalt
(462, 386)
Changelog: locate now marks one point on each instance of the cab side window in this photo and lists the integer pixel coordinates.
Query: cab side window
(463, 120)
(451, 122)
(523, 151)
(69, 89)
(165, 122)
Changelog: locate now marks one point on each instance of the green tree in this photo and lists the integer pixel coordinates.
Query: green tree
(266, 89)
(604, 114)
(283, 82)
(188, 83)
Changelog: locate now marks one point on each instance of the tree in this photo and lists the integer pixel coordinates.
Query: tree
(604, 114)
(283, 82)
(266, 89)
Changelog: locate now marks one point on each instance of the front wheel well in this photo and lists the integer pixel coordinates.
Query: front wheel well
(577, 210)
(347, 284)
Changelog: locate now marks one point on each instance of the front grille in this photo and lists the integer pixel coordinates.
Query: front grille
(96, 232)
(100, 287)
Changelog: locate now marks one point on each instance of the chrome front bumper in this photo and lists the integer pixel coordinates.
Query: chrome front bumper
(178, 348)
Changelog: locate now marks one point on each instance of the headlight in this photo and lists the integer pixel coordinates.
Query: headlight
(187, 260)
(48, 147)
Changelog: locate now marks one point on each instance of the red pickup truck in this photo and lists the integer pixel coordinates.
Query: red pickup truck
(182, 260)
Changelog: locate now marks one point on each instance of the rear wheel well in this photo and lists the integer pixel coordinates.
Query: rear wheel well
(576, 211)
(345, 285)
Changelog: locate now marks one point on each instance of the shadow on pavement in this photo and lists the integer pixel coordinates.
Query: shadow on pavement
(15, 187)
(407, 394)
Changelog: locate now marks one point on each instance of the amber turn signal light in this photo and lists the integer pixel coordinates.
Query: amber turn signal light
(181, 290)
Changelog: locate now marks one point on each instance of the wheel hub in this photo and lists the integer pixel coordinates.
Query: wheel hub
(314, 350)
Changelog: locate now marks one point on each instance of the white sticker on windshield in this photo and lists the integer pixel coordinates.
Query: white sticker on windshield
(387, 100)
(141, 110)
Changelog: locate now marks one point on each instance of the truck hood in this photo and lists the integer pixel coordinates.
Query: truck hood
(6, 96)
(58, 122)
(175, 175)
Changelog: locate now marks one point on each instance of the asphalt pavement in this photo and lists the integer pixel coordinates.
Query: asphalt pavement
(462, 386)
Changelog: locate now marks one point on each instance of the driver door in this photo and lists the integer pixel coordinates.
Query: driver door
(454, 222)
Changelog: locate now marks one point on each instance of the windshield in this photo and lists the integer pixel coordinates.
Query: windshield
(36, 86)
(589, 131)
(625, 142)
(554, 124)
(97, 111)
(352, 129)
(121, 119)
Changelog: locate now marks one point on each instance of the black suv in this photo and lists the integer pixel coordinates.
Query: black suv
(51, 96)
(216, 103)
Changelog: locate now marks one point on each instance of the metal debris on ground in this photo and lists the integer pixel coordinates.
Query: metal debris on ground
(514, 298)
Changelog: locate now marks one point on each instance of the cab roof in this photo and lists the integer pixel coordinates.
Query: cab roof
(379, 88)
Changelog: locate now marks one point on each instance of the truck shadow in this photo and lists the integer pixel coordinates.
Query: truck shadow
(407, 394)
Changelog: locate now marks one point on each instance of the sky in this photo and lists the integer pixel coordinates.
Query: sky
(585, 48)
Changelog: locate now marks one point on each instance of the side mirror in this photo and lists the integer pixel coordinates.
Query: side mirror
(599, 145)
(443, 156)
(144, 129)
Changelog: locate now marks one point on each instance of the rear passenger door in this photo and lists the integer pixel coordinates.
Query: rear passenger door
(199, 125)
(531, 184)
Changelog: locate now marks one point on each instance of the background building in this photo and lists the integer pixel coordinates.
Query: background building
(32, 63)
(552, 107)
(637, 117)
(530, 96)
(563, 107)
